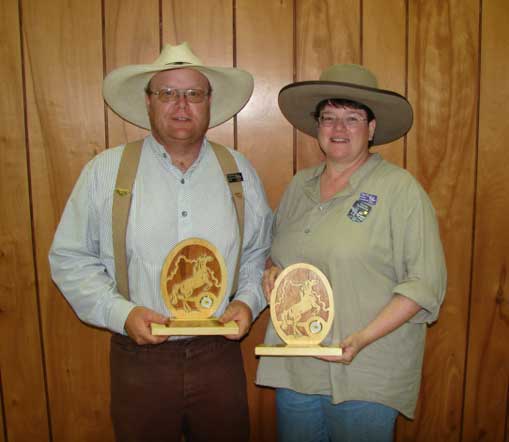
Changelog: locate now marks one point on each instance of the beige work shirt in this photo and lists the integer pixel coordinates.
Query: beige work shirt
(377, 237)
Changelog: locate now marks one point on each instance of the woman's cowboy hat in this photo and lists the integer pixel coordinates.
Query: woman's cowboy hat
(392, 111)
(124, 88)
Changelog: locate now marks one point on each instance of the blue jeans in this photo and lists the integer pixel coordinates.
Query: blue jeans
(313, 418)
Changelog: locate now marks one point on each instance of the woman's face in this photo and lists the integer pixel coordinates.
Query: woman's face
(344, 134)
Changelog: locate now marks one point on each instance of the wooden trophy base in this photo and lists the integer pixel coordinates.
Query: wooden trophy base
(297, 350)
(195, 327)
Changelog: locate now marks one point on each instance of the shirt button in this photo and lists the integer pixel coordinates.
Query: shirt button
(182, 181)
(184, 213)
(307, 230)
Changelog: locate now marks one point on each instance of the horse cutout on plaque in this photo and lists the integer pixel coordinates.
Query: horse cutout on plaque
(302, 311)
(193, 285)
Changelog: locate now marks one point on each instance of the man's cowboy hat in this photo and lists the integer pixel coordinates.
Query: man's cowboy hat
(392, 111)
(124, 88)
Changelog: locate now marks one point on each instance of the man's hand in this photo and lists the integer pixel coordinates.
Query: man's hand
(138, 323)
(268, 280)
(239, 312)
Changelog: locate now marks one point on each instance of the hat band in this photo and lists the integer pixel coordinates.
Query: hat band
(178, 63)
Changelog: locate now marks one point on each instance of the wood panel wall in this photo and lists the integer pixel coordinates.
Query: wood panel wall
(450, 57)
(22, 371)
(487, 382)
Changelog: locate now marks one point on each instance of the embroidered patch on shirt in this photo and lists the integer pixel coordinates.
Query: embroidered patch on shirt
(359, 211)
(368, 198)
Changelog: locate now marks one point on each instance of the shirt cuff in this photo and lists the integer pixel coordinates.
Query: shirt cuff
(421, 293)
(252, 302)
(120, 310)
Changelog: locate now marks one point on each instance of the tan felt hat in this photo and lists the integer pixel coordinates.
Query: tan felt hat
(124, 88)
(393, 112)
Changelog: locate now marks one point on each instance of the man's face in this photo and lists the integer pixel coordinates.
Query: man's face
(178, 121)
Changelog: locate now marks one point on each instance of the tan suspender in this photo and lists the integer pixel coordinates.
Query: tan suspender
(120, 212)
(123, 196)
(234, 181)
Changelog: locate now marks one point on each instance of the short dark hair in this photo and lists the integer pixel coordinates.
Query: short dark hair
(342, 102)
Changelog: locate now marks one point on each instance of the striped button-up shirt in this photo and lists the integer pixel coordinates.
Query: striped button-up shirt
(168, 206)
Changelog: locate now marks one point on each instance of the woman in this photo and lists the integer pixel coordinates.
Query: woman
(370, 227)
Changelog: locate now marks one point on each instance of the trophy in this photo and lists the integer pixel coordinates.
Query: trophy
(302, 311)
(193, 285)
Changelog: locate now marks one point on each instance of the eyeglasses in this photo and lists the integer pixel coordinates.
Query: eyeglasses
(168, 94)
(350, 121)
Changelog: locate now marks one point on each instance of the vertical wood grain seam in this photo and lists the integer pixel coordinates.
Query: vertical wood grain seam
(160, 12)
(234, 61)
(2, 407)
(407, 49)
(294, 78)
(105, 106)
(361, 32)
(473, 246)
(32, 221)
(506, 426)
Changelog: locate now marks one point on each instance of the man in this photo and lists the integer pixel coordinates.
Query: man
(162, 388)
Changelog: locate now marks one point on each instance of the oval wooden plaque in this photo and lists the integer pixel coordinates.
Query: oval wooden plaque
(193, 279)
(302, 306)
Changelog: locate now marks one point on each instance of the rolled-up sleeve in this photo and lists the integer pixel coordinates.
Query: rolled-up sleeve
(418, 253)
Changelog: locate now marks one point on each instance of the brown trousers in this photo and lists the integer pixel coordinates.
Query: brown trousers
(194, 388)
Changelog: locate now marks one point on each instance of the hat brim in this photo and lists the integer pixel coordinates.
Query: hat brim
(393, 113)
(124, 91)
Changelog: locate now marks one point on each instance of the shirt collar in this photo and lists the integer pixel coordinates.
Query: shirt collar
(365, 170)
(160, 151)
(312, 183)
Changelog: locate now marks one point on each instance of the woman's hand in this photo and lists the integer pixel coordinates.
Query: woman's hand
(351, 346)
(398, 311)
(268, 280)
